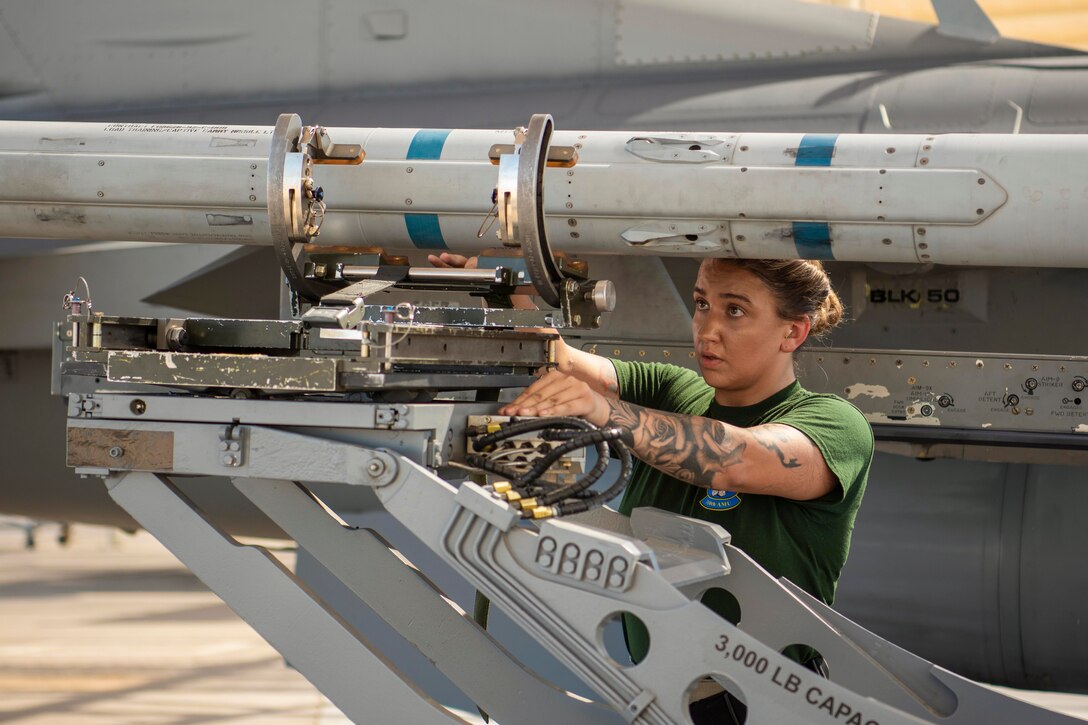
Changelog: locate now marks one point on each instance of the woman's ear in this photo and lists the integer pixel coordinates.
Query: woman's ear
(796, 333)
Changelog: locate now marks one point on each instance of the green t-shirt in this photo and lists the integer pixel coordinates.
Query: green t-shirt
(804, 541)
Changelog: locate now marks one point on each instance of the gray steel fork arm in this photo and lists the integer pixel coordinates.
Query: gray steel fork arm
(476, 534)
(779, 613)
(411, 604)
(975, 702)
(328, 651)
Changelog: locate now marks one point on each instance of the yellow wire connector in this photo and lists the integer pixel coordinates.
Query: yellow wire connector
(543, 512)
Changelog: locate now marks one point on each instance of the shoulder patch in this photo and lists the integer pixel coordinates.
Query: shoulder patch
(720, 500)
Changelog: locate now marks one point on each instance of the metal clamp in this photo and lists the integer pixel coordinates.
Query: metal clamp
(521, 208)
(296, 205)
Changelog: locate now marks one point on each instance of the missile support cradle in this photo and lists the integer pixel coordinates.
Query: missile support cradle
(343, 395)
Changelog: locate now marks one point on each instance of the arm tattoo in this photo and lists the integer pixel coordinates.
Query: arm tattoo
(770, 439)
(690, 448)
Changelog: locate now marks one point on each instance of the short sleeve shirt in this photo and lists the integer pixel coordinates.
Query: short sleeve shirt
(804, 541)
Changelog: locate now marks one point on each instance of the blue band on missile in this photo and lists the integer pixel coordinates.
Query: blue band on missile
(424, 229)
(816, 149)
(813, 239)
(427, 144)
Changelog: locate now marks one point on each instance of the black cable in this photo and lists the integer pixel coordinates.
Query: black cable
(528, 426)
(600, 438)
(575, 433)
(597, 437)
(567, 508)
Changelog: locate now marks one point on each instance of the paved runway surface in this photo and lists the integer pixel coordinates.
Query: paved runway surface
(112, 629)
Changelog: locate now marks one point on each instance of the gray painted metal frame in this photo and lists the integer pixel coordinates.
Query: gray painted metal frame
(562, 583)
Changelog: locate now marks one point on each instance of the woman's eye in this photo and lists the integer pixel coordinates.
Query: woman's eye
(735, 311)
(700, 304)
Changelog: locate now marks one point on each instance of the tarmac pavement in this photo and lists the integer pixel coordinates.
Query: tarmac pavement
(110, 628)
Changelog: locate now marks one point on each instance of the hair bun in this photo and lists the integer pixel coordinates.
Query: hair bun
(828, 315)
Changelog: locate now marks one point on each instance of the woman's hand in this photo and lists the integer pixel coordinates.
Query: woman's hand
(456, 261)
(559, 394)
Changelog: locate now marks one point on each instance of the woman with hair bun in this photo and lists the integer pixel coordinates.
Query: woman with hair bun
(742, 445)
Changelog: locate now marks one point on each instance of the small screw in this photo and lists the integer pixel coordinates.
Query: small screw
(409, 170)
(101, 194)
(570, 205)
(253, 197)
(375, 468)
(138, 407)
(253, 166)
(101, 163)
(116, 452)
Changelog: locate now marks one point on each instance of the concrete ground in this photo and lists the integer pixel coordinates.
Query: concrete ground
(110, 628)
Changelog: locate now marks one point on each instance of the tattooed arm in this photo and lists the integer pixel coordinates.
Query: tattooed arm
(771, 459)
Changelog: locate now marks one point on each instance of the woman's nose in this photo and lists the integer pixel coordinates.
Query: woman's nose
(706, 330)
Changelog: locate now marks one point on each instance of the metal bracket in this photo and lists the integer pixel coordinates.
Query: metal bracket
(583, 302)
(392, 417)
(323, 151)
(82, 406)
(232, 445)
(563, 157)
(636, 706)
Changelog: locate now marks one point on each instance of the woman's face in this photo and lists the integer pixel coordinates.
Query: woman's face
(740, 341)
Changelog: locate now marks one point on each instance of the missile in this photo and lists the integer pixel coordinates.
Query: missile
(956, 199)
